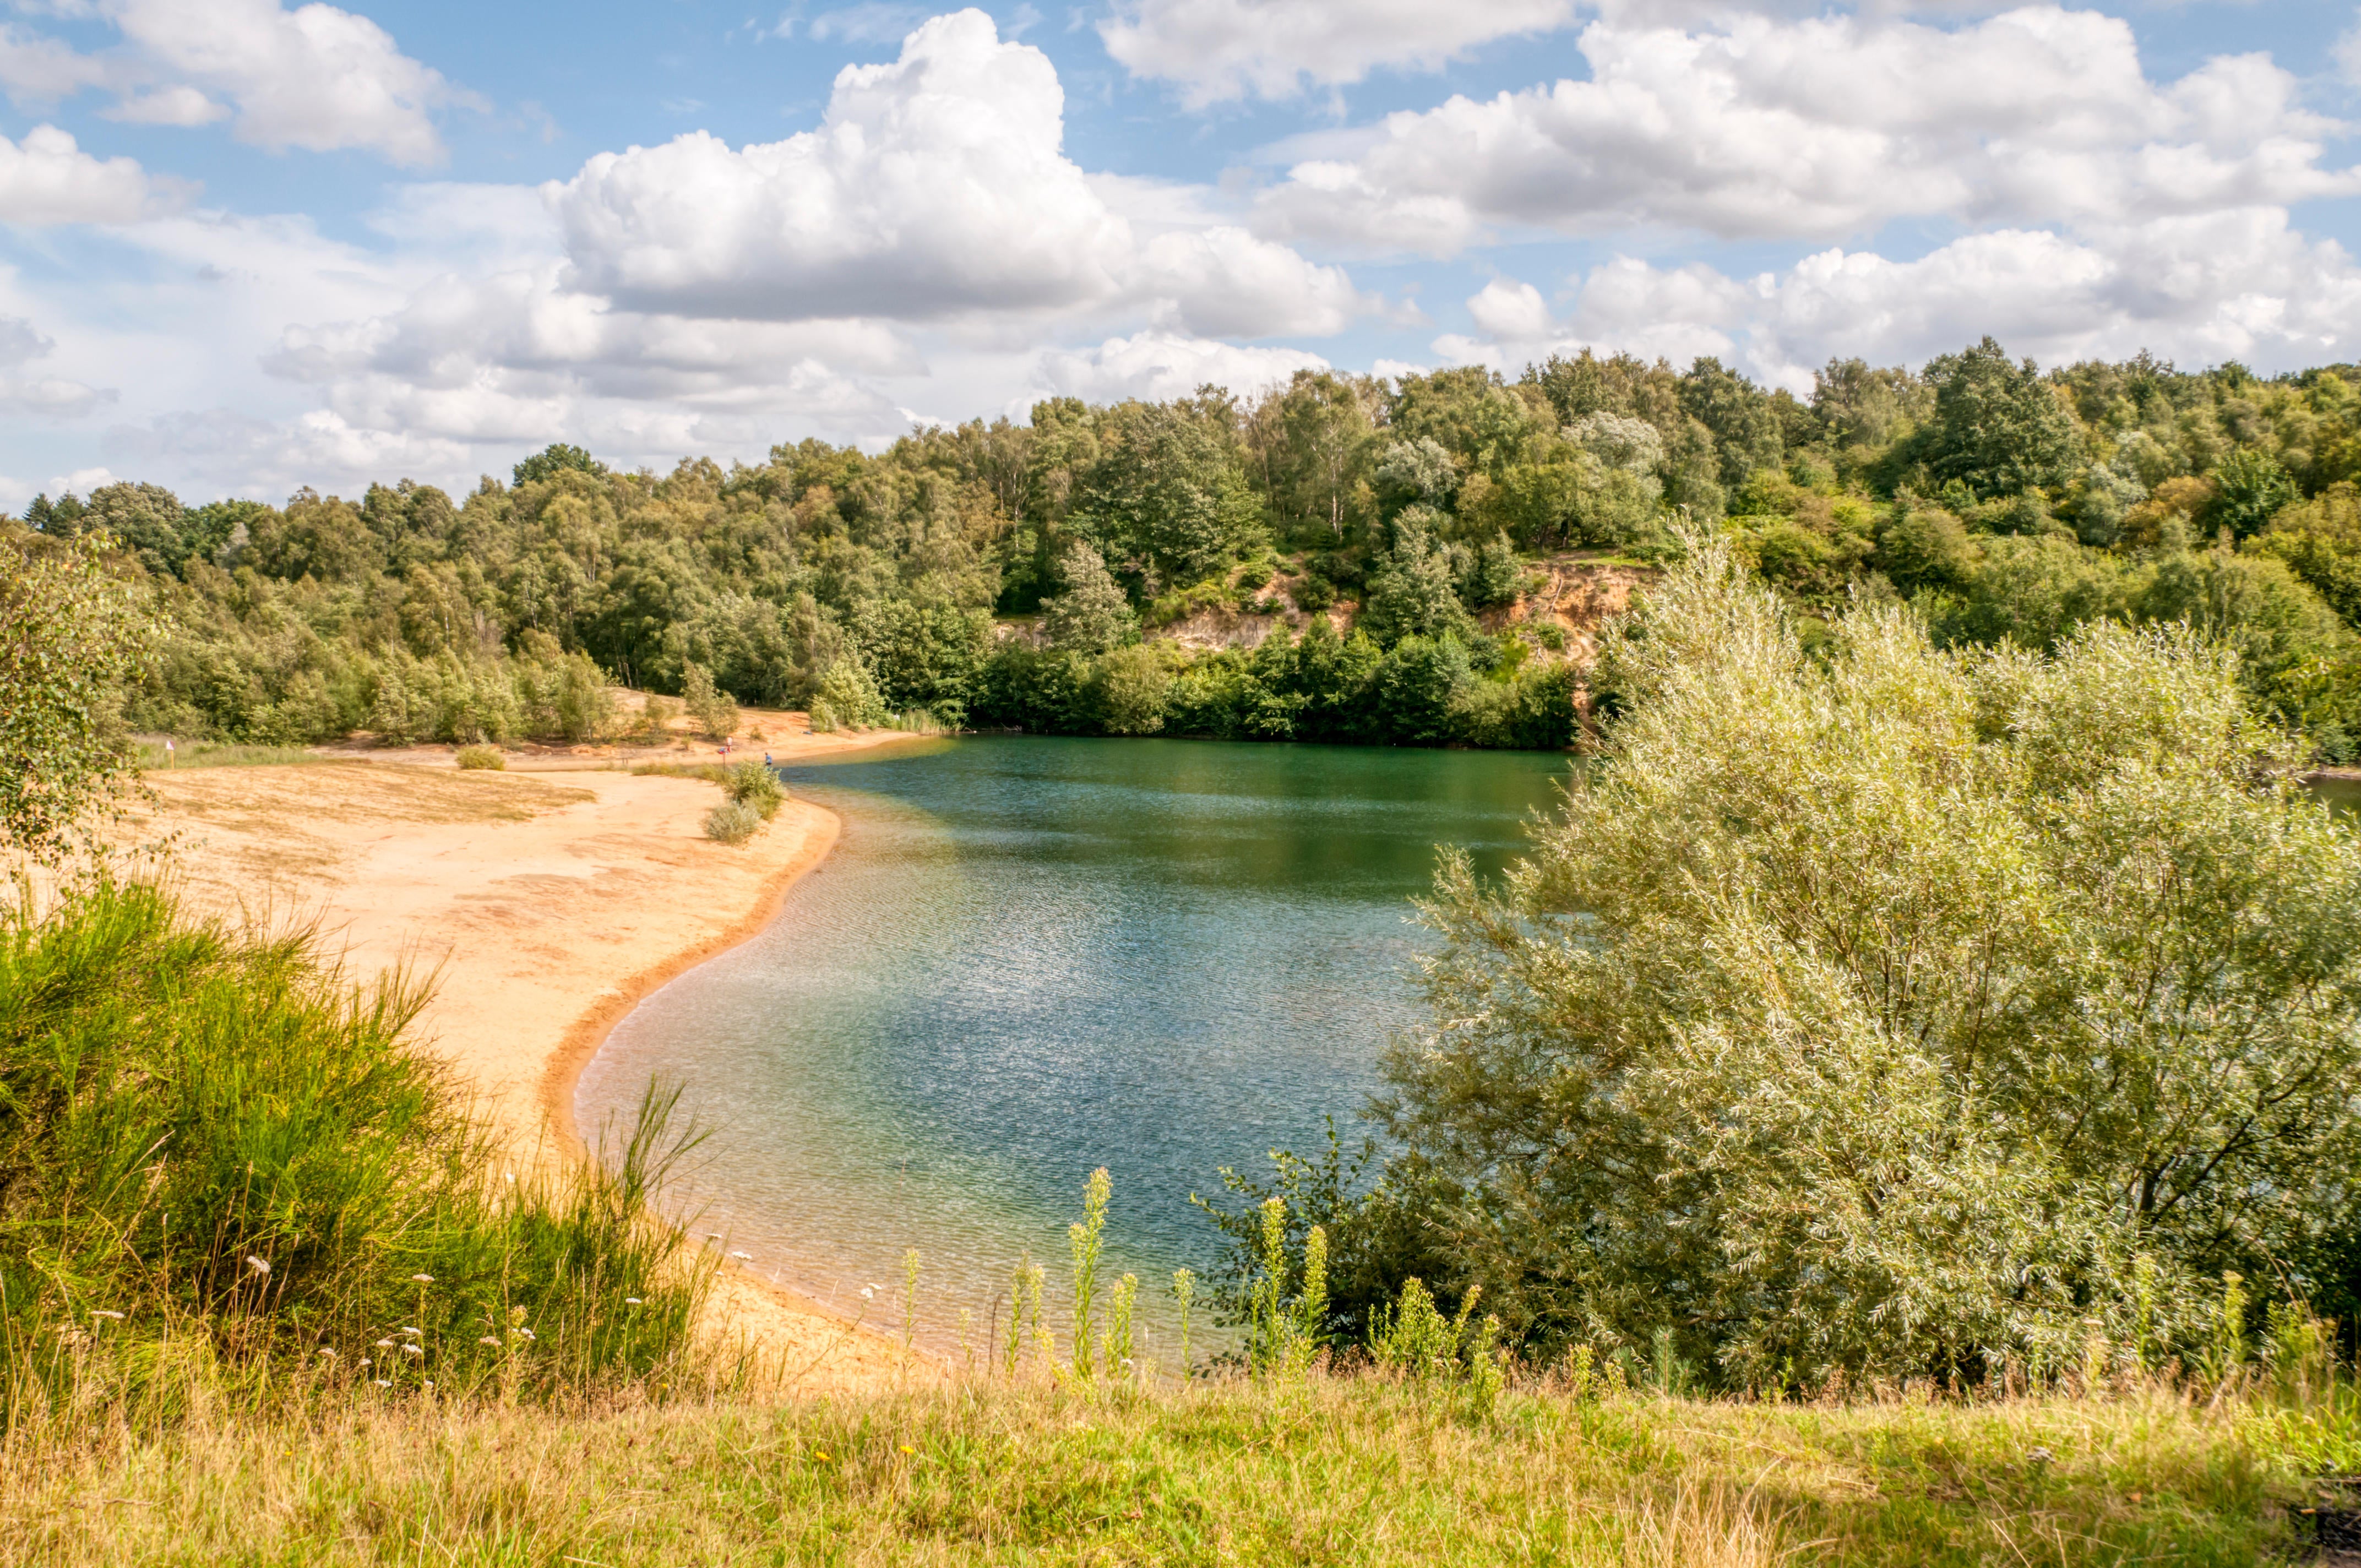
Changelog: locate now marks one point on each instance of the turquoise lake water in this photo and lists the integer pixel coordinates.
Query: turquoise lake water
(1029, 956)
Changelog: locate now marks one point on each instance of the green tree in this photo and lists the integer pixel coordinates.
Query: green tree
(1411, 593)
(73, 637)
(714, 711)
(555, 458)
(1891, 1012)
(1092, 614)
(1169, 497)
(148, 520)
(1997, 427)
(2253, 489)
(1743, 424)
(2320, 541)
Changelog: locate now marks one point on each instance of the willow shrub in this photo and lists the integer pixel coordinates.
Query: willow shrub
(213, 1146)
(1878, 1011)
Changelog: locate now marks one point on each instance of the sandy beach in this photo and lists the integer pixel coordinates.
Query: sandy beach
(544, 904)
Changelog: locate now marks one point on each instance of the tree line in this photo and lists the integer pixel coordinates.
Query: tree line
(1035, 575)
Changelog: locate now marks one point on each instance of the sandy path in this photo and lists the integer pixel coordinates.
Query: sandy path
(544, 906)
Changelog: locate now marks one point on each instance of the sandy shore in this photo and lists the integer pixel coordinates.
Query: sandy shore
(544, 905)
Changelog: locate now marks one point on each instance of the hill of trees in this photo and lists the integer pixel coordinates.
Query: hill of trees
(1387, 525)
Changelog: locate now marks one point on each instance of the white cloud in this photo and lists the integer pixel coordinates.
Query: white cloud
(2203, 289)
(1217, 50)
(47, 179)
(508, 357)
(317, 77)
(1821, 128)
(935, 187)
(179, 104)
(1160, 366)
(37, 70)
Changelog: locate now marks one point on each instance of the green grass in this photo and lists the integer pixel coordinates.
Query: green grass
(1359, 1471)
(224, 754)
(220, 1159)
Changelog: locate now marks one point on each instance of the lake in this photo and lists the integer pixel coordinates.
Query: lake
(1029, 956)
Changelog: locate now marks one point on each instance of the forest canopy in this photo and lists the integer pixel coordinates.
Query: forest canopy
(1040, 575)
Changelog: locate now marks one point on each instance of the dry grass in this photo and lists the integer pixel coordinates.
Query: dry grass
(1359, 1472)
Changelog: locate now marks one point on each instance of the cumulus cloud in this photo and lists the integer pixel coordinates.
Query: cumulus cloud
(48, 178)
(1217, 50)
(937, 186)
(1161, 366)
(2238, 285)
(317, 77)
(1825, 128)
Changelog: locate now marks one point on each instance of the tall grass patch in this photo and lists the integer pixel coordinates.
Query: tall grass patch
(221, 1160)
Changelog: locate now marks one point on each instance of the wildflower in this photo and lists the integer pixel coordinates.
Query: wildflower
(820, 1455)
(428, 1385)
(380, 1382)
(363, 1364)
(411, 1350)
(528, 1334)
(908, 1448)
(102, 1312)
(747, 1256)
(257, 1264)
(327, 1354)
(2040, 1456)
(869, 1292)
(633, 1302)
(385, 1344)
(421, 1279)
(488, 1339)
(411, 1332)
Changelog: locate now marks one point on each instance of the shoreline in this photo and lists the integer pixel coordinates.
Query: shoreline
(585, 1037)
(545, 904)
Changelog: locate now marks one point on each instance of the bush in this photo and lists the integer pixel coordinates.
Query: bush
(217, 1152)
(732, 822)
(490, 757)
(752, 785)
(1886, 1013)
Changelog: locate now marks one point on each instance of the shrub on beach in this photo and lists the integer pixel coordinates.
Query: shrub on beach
(752, 784)
(732, 822)
(490, 757)
(224, 1162)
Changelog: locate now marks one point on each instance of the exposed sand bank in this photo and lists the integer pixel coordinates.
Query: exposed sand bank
(545, 907)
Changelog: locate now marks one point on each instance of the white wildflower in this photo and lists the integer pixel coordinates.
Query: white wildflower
(257, 1265)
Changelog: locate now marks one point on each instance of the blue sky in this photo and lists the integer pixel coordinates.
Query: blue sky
(252, 245)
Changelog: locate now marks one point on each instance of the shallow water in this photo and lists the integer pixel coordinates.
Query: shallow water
(1029, 956)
